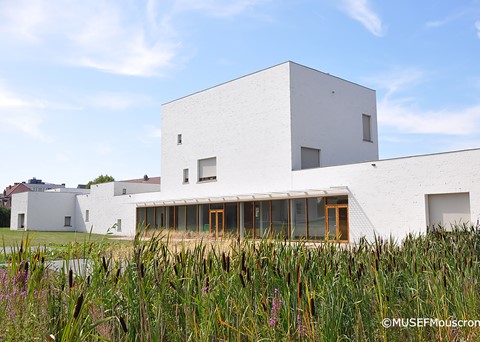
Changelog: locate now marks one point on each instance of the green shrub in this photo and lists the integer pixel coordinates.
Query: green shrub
(5, 217)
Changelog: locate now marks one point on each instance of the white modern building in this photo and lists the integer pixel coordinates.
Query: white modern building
(287, 150)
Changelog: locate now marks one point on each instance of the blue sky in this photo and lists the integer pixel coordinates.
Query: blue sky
(82, 82)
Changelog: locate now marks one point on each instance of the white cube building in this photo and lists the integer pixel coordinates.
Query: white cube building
(287, 151)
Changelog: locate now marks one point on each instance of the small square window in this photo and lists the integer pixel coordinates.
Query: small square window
(185, 175)
(68, 221)
(179, 139)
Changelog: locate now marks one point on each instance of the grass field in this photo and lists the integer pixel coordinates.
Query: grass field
(57, 245)
(13, 237)
(267, 290)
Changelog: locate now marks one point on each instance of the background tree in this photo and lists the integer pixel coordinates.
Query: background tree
(4, 217)
(100, 179)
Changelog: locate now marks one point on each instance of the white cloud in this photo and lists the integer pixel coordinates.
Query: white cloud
(458, 14)
(10, 100)
(24, 122)
(360, 10)
(217, 8)
(408, 119)
(442, 22)
(111, 36)
(117, 101)
(477, 26)
(399, 79)
(404, 115)
(22, 19)
(24, 114)
(15, 114)
(121, 37)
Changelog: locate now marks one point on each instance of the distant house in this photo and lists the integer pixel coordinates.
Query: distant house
(287, 151)
(37, 185)
(6, 198)
(33, 184)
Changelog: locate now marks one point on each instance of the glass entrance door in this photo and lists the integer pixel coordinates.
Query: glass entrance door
(337, 222)
(217, 223)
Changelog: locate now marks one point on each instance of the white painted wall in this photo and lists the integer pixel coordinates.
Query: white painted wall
(244, 123)
(44, 211)
(104, 212)
(327, 115)
(107, 204)
(389, 197)
(134, 188)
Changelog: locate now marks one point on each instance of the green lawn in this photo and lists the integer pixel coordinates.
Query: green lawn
(14, 237)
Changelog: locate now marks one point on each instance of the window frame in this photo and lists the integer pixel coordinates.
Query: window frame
(209, 178)
(67, 221)
(367, 127)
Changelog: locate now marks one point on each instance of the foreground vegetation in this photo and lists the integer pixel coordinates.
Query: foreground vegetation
(249, 291)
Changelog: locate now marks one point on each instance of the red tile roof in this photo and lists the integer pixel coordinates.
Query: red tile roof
(17, 188)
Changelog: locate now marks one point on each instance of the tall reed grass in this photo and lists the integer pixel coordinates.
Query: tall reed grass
(265, 290)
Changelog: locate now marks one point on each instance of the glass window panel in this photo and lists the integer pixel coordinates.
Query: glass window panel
(337, 200)
(332, 223)
(213, 222)
(343, 224)
(299, 219)
(150, 217)
(367, 134)
(192, 218)
(316, 218)
(248, 218)
(203, 219)
(280, 218)
(265, 228)
(160, 217)
(181, 224)
(216, 206)
(171, 217)
(231, 219)
(141, 217)
(257, 219)
(219, 228)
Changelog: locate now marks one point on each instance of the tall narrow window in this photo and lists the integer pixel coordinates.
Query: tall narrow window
(367, 127)
(207, 169)
(68, 221)
(310, 157)
(185, 176)
(124, 191)
(87, 215)
(179, 139)
(119, 225)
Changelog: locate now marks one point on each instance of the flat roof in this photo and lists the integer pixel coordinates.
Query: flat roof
(332, 191)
